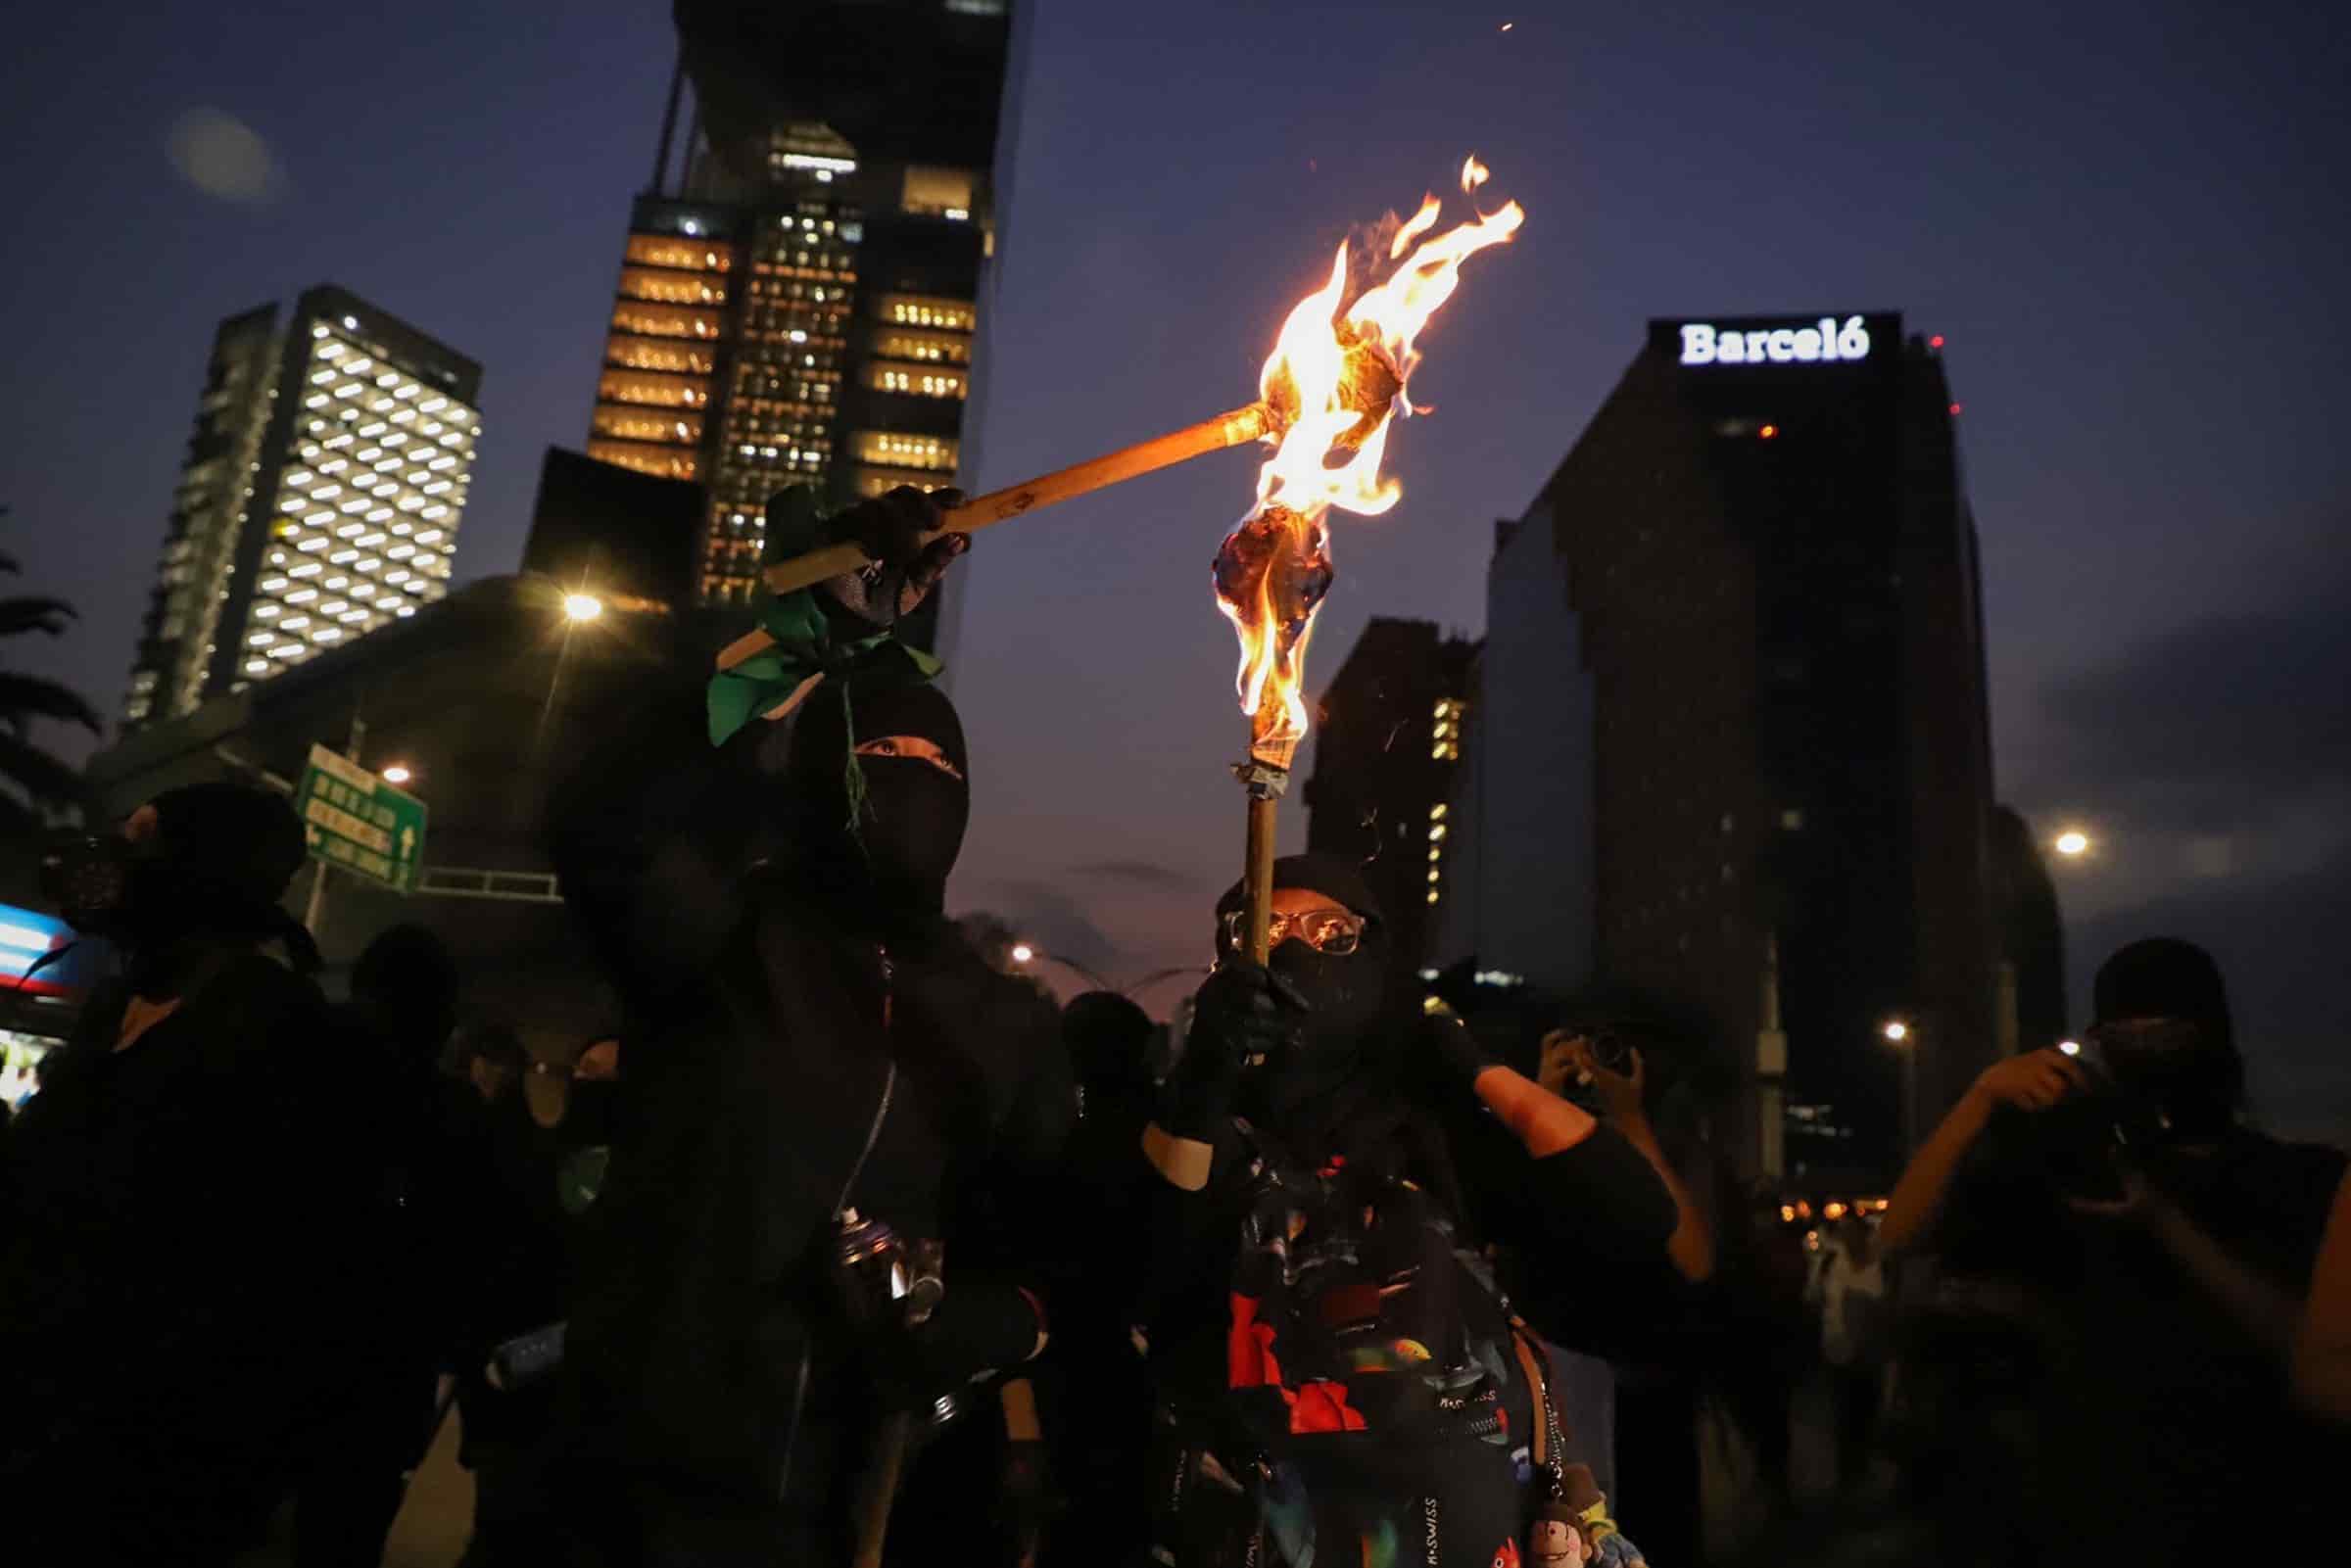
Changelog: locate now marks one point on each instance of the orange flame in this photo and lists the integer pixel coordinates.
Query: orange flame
(1335, 383)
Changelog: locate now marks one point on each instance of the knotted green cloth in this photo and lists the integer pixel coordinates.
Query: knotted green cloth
(808, 647)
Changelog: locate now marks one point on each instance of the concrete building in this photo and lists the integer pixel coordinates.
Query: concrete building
(320, 498)
(1388, 739)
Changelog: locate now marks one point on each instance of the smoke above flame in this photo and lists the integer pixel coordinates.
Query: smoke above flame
(1336, 383)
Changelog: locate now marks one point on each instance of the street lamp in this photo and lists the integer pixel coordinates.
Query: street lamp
(1902, 1036)
(579, 607)
(1025, 954)
(398, 774)
(2073, 843)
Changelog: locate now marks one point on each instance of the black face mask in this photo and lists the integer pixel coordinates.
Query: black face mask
(134, 894)
(2175, 1068)
(911, 830)
(87, 880)
(881, 844)
(1331, 1043)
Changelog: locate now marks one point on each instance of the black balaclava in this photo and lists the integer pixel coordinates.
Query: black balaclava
(1346, 996)
(2195, 1076)
(216, 865)
(878, 835)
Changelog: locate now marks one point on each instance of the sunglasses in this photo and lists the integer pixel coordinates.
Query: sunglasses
(1326, 930)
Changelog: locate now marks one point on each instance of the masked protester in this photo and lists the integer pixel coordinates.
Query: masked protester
(1335, 1370)
(813, 1055)
(175, 1312)
(2162, 1250)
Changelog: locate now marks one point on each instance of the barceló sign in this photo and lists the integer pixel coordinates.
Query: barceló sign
(1828, 341)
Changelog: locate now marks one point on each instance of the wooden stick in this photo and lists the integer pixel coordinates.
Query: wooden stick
(1256, 876)
(1231, 429)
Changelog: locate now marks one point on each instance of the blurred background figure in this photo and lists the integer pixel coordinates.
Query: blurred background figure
(403, 1113)
(1848, 1286)
(185, 1227)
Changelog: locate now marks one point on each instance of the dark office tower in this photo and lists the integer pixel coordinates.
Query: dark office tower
(319, 500)
(802, 284)
(621, 537)
(1387, 743)
(1754, 581)
(2031, 934)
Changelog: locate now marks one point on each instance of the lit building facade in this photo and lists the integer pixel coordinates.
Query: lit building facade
(1734, 744)
(320, 498)
(1389, 735)
(799, 292)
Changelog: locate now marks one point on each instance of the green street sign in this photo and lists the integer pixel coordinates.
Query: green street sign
(358, 823)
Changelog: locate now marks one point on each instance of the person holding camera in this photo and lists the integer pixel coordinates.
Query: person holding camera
(2164, 1251)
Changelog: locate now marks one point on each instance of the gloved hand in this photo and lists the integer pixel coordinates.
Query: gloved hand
(1242, 1013)
(1456, 1054)
(890, 527)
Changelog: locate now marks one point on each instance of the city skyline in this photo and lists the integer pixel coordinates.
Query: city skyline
(2150, 444)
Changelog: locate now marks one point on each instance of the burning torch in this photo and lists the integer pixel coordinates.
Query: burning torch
(1337, 372)
(1346, 410)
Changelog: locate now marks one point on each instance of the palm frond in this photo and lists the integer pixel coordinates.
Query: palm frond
(37, 776)
(20, 615)
(27, 696)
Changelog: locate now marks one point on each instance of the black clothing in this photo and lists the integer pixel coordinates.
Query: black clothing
(174, 1271)
(2169, 1431)
(1598, 1202)
(716, 1375)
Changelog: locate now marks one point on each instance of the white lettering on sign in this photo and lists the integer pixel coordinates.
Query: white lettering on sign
(1709, 345)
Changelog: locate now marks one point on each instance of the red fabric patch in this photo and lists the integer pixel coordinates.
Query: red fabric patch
(1508, 1555)
(1324, 1408)
(1249, 1361)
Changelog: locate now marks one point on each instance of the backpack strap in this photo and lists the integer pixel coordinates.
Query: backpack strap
(1549, 1435)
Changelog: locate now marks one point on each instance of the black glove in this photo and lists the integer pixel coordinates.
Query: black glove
(1242, 1013)
(890, 528)
(1456, 1054)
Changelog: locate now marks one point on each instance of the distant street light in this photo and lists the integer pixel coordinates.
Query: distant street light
(1900, 1033)
(2073, 842)
(1022, 953)
(398, 773)
(582, 606)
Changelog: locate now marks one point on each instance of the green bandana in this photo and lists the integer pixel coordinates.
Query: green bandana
(805, 651)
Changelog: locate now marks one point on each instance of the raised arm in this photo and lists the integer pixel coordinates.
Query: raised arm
(1623, 1100)
(2033, 1081)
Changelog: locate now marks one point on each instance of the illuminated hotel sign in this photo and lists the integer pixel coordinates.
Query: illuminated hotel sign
(1821, 341)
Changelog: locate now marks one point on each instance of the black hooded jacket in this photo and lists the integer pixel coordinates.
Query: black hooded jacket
(783, 1023)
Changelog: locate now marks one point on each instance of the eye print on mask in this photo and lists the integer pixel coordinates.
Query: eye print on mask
(911, 748)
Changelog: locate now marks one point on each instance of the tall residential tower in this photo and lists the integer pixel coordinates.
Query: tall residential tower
(319, 500)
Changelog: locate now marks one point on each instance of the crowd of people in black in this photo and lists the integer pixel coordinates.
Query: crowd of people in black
(842, 1246)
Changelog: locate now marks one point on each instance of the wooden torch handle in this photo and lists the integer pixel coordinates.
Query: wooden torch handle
(1231, 429)
(1256, 876)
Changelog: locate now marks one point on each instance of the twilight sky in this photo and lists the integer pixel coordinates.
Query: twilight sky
(2125, 217)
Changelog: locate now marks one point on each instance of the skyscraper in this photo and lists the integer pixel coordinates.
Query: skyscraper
(800, 287)
(1387, 743)
(320, 497)
(1761, 763)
